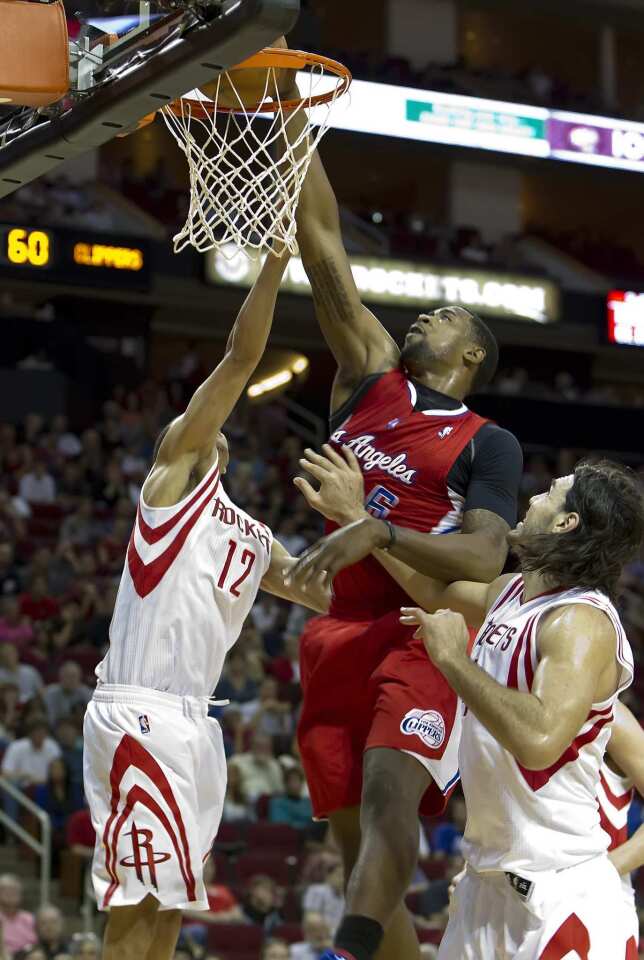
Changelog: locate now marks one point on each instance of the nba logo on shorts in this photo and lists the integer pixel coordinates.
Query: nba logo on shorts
(144, 723)
(426, 724)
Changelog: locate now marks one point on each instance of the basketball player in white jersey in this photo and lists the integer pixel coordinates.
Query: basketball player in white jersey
(621, 774)
(155, 770)
(539, 695)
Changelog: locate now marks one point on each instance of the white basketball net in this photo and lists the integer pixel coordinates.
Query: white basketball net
(245, 175)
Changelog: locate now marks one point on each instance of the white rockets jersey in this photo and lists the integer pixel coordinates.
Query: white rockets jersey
(614, 798)
(527, 821)
(191, 576)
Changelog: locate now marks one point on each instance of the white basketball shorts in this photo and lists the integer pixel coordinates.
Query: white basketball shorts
(574, 914)
(155, 780)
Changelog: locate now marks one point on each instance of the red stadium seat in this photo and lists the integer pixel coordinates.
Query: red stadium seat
(291, 932)
(261, 806)
(47, 511)
(272, 864)
(230, 833)
(235, 938)
(274, 836)
(434, 869)
(430, 936)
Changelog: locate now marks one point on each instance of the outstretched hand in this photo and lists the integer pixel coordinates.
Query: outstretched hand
(444, 633)
(340, 495)
(326, 558)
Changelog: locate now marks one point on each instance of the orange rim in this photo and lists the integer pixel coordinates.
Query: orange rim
(277, 58)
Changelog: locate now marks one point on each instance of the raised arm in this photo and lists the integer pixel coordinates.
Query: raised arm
(193, 434)
(626, 751)
(357, 339)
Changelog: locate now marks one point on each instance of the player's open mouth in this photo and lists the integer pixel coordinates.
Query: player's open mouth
(416, 328)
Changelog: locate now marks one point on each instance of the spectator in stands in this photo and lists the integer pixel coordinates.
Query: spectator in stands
(260, 772)
(37, 604)
(111, 549)
(287, 667)
(9, 712)
(237, 807)
(18, 925)
(260, 902)
(80, 834)
(292, 807)
(327, 899)
(9, 576)
(276, 950)
(98, 625)
(66, 443)
(235, 684)
(37, 486)
(71, 744)
(269, 714)
(317, 938)
(26, 761)
(50, 927)
(288, 536)
(61, 698)
(87, 946)
(80, 528)
(222, 907)
(447, 838)
(58, 797)
(15, 626)
(69, 629)
(20, 675)
(264, 613)
(13, 513)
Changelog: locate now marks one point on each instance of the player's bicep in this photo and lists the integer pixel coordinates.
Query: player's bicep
(576, 647)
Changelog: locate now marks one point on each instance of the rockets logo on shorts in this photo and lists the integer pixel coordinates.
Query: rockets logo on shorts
(426, 724)
(144, 723)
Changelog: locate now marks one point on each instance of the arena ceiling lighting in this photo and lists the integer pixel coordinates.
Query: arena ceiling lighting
(407, 284)
(433, 117)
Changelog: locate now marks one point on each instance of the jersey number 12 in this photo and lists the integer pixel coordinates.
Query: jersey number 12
(247, 561)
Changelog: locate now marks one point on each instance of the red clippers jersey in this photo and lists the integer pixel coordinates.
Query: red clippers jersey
(406, 456)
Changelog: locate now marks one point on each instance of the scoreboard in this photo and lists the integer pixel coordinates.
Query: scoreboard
(77, 257)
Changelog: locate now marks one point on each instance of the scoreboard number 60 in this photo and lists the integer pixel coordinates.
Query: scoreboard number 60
(29, 247)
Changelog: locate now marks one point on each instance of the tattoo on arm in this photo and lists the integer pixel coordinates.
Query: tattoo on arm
(329, 292)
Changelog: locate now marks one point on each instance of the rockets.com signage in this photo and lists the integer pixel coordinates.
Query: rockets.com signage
(407, 284)
(626, 318)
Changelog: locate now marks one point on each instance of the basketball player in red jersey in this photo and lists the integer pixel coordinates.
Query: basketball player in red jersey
(379, 730)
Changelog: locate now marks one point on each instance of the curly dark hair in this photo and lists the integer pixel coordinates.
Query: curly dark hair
(608, 498)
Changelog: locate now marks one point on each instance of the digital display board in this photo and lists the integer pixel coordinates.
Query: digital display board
(436, 117)
(626, 318)
(404, 283)
(74, 257)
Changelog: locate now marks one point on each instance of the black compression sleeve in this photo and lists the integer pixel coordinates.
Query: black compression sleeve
(495, 475)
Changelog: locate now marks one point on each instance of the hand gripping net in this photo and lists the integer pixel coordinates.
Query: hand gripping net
(247, 165)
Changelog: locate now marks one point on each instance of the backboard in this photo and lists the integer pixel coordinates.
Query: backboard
(127, 59)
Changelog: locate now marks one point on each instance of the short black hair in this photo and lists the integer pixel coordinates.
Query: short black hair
(484, 338)
(608, 498)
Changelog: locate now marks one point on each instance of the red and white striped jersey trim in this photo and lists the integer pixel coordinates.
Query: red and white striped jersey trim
(614, 797)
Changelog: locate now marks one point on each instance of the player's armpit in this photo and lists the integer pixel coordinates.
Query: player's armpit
(316, 596)
(626, 746)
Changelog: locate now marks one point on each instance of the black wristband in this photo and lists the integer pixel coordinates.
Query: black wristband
(392, 535)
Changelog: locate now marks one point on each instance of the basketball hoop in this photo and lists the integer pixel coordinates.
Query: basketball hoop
(248, 148)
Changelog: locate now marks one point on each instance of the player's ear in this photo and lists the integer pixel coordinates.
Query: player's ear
(474, 355)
